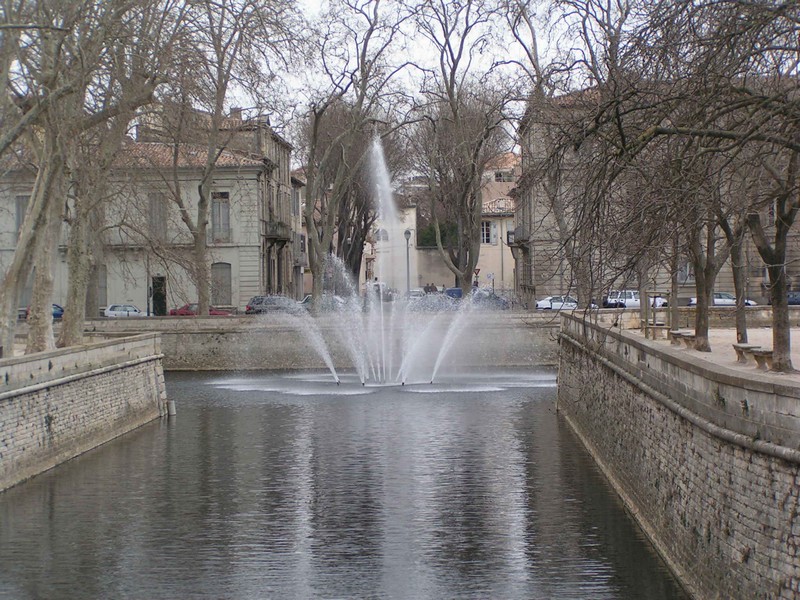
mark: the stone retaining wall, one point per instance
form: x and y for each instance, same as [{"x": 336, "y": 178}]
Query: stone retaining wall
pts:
[
  {"x": 281, "y": 342},
  {"x": 707, "y": 461},
  {"x": 57, "y": 405}
]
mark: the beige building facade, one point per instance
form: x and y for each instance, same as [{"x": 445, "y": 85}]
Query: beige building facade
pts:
[
  {"x": 541, "y": 264},
  {"x": 143, "y": 250}
]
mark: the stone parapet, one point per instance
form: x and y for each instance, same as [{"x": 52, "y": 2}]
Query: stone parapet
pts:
[
  {"x": 280, "y": 341},
  {"x": 57, "y": 405},
  {"x": 706, "y": 459}
]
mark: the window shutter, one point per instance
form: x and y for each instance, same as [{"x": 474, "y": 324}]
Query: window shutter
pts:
[{"x": 494, "y": 233}]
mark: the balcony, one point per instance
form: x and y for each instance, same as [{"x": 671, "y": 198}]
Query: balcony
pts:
[
  {"x": 518, "y": 237},
  {"x": 217, "y": 235},
  {"x": 277, "y": 231}
]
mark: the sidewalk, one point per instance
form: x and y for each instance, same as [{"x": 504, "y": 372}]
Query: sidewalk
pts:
[{"x": 722, "y": 353}]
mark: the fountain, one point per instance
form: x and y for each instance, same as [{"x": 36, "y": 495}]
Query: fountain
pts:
[{"x": 387, "y": 339}]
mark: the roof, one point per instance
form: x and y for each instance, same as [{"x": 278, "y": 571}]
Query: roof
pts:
[
  {"x": 160, "y": 156},
  {"x": 506, "y": 160}
]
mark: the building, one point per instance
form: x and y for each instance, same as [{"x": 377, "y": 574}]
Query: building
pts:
[
  {"x": 495, "y": 267},
  {"x": 143, "y": 250},
  {"x": 539, "y": 245}
]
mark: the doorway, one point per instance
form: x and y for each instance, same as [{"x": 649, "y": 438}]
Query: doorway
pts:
[{"x": 160, "y": 296}]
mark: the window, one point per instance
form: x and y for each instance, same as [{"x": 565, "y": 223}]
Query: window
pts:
[
  {"x": 220, "y": 217},
  {"x": 489, "y": 232},
  {"x": 381, "y": 235},
  {"x": 685, "y": 272},
  {"x": 21, "y": 206},
  {"x": 157, "y": 217},
  {"x": 302, "y": 243},
  {"x": 486, "y": 232},
  {"x": 221, "y": 284},
  {"x": 504, "y": 176}
]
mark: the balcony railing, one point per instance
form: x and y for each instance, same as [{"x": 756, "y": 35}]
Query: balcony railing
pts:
[
  {"x": 218, "y": 236},
  {"x": 277, "y": 230}
]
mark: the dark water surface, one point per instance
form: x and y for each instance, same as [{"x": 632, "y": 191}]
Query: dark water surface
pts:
[{"x": 269, "y": 486}]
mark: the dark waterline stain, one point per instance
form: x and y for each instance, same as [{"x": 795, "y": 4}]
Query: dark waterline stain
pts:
[{"x": 288, "y": 486}]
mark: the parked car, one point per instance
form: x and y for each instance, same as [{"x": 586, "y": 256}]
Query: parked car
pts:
[
  {"x": 557, "y": 303},
  {"x": 432, "y": 303},
  {"x": 454, "y": 292},
  {"x": 58, "y": 312},
  {"x": 629, "y": 299},
  {"x": 265, "y": 304},
  {"x": 329, "y": 302},
  {"x": 723, "y": 299},
  {"x": 487, "y": 299},
  {"x": 123, "y": 310},
  {"x": 189, "y": 310}
]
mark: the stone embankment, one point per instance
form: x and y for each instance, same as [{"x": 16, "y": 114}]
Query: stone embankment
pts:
[
  {"x": 705, "y": 457},
  {"x": 57, "y": 405},
  {"x": 283, "y": 342}
]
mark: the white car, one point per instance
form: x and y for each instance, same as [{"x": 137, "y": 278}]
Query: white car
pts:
[
  {"x": 557, "y": 303},
  {"x": 123, "y": 310},
  {"x": 723, "y": 299},
  {"x": 630, "y": 299}
]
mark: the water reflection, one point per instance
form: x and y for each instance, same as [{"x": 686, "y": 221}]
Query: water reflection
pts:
[{"x": 282, "y": 487}]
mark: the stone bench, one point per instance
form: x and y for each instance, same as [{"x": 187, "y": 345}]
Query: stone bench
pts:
[
  {"x": 744, "y": 352},
  {"x": 687, "y": 337},
  {"x": 763, "y": 358},
  {"x": 656, "y": 331},
  {"x": 675, "y": 337}
]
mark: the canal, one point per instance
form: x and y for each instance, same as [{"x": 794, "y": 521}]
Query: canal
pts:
[{"x": 288, "y": 486}]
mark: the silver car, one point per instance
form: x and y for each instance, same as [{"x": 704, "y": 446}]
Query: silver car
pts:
[
  {"x": 557, "y": 303},
  {"x": 723, "y": 299},
  {"x": 123, "y": 310}
]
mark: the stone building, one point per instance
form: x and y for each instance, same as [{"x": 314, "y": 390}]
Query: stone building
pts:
[
  {"x": 538, "y": 246},
  {"x": 142, "y": 253},
  {"x": 496, "y": 263}
]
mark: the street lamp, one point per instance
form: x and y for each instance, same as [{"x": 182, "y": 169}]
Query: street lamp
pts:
[{"x": 407, "y": 235}]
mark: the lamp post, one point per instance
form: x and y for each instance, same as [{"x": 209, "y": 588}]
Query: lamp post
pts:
[{"x": 407, "y": 235}]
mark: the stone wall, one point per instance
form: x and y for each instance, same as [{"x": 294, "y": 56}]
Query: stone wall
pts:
[
  {"x": 705, "y": 460},
  {"x": 280, "y": 342},
  {"x": 57, "y": 405}
]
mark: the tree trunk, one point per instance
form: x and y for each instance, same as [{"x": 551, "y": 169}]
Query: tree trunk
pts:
[
  {"x": 202, "y": 268},
  {"x": 775, "y": 257},
  {"x": 704, "y": 290},
  {"x": 781, "y": 338},
  {"x": 674, "y": 313},
  {"x": 738, "y": 268},
  {"x": 78, "y": 264},
  {"x": 40, "y": 318},
  {"x": 33, "y": 227}
]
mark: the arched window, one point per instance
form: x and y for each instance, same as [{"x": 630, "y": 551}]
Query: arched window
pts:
[
  {"x": 221, "y": 284},
  {"x": 381, "y": 235}
]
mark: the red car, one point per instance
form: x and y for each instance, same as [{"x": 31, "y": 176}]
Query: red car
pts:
[{"x": 190, "y": 310}]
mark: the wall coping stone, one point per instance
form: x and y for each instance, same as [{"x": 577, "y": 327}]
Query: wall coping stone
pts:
[{"x": 745, "y": 410}]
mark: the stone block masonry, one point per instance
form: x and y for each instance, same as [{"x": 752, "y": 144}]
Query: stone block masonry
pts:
[
  {"x": 707, "y": 461},
  {"x": 57, "y": 405},
  {"x": 280, "y": 342}
]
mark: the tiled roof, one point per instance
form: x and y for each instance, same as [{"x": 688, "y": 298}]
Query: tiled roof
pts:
[
  {"x": 506, "y": 160},
  {"x": 149, "y": 155}
]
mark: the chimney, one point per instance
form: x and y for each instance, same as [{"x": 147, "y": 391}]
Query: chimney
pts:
[{"x": 236, "y": 113}]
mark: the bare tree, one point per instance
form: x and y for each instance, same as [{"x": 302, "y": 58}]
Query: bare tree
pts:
[
  {"x": 233, "y": 47},
  {"x": 463, "y": 124},
  {"x": 69, "y": 49},
  {"x": 354, "y": 51}
]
